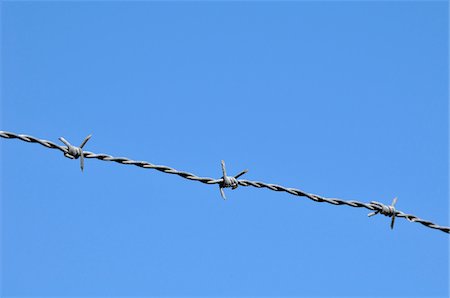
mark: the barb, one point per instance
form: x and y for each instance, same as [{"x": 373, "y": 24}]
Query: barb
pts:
[
  {"x": 386, "y": 210},
  {"x": 228, "y": 181},
  {"x": 75, "y": 152},
  {"x": 233, "y": 182}
]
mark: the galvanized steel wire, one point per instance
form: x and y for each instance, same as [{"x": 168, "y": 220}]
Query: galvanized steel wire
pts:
[{"x": 225, "y": 181}]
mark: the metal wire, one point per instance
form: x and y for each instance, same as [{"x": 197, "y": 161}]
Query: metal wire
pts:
[{"x": 226, "y": 181}]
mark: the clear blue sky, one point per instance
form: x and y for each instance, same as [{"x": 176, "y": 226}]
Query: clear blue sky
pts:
[{"x": 342, "y": 99}]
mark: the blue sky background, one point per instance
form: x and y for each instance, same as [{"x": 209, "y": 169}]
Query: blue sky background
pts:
[{"x": 342, "y": 99}]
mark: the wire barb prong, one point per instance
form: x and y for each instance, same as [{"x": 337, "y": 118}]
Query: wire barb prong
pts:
[
  {"x": 75, "y": 152},
  {"x": 229, "y": 181},
  {"x": 385, "y": 210}
]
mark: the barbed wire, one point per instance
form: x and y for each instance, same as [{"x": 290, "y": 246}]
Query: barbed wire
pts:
[{"x": 225, "y": 181}]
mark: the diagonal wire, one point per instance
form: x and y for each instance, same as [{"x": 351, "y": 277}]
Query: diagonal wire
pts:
[{"x": 374, "y": 206}]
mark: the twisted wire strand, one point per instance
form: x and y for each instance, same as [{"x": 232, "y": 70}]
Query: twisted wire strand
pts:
[{"x": 374, "y": 206}]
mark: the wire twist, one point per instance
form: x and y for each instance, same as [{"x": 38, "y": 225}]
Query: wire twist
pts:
[{"x": 227, "y": 181}]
